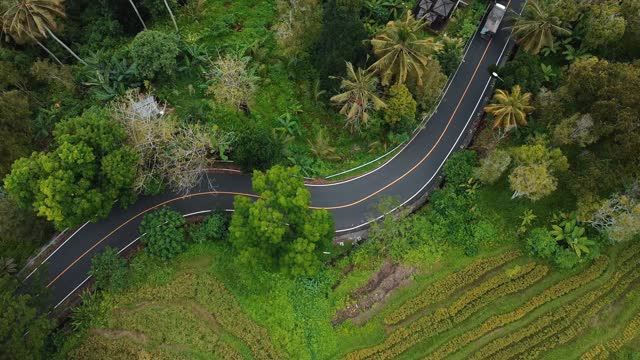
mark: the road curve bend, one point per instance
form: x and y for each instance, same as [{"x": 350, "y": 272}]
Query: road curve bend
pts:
[{"x": 352, "y": 202}]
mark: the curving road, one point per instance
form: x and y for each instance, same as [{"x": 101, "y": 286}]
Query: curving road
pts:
[{"x": 352, "y": 202}]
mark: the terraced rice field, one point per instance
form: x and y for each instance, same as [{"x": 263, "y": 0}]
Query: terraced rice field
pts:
[{"x": 508, "y": 307}]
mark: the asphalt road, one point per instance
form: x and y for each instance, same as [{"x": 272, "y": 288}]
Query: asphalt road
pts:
[{"x": 352, "y": 202}]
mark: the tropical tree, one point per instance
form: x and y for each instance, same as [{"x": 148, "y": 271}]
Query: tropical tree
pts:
[
  {"x": 24, "y": 328},
  {"x": 29, "y": 20},
  {"x": 175, "y": 24},
  {"x": 401, "y": 52},
  {"x": 570, "y": 232},
  {"x": 164, "y": 233},
  {"x": 510, "y": 109},
  {"x": 538, "y": 26},
  {"x": 359, "y": 96},
  {"x": 135, "y": 8},
  {"x": 279, "y": 231}
]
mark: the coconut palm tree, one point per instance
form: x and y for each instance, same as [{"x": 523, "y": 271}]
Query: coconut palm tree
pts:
[
  {"x": 400, "y": 51},
  {"x": 28, "y": 20},
  {"x": 537, "y": 27},
  {"x": 175, "y": 24},
  {"x": 359, "y": 96},
  {"x": 135, "y": 8},
  {"x": 510, "y": 109}
]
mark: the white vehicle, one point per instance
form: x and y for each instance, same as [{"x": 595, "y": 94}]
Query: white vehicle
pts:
[{"x": 493, "y": 21}]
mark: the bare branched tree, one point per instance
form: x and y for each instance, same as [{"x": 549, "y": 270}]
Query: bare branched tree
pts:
[{"x": 177, "y": 154}]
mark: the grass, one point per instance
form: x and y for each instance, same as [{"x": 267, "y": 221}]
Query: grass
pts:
[{"x": 164, "y": 305}]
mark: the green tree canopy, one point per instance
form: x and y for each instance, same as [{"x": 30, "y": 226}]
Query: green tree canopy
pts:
[
  {"x": 82, "y": 177},
  {"x": 23, "y": 328},
  {"x": 402, "y": 53},
  {"x": 164, "y": 233},
  {"x": 278, "y": 231},
  {"x": 155, "y": 54},
  {"x": 109, "y": 270},
  {"x": 538, "y": 26},
  {"x": 401, "y": 107},
  {"x": 603, "y": 24},
  {"x": 359, "y": 97}
]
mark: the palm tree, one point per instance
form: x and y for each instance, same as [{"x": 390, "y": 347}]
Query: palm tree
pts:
[
  {"x": 135, "y": 8},
  {"x": 510, "y": 109},
  {"x": 401, "y": 52},
  {"x": 28, "y": 20},
  {"x": 359, "y": 96},
  {"x": 175, "y": 24},
  {"x": 537, "y": 27}
]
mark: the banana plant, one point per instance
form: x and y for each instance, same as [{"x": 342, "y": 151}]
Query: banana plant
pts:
[
  {"x": 573, "y": 234},
  {"x": 289, "y": 123},
  {"x": 548, "y": 72}
]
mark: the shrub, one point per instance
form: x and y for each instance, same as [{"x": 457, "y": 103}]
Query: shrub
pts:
[
  {"x": 433, "y": 81},
  {"x": 493, "y": 166},
  {"x": 542, "y": 244},
  {"x": 164, "y": 234},
  {"x": 109, "y": 270},
  {"x": 155, "y": 53},
  {"x": 213, "y": 227},
  {"x": 157, "y": 8},
  {"x": 233, "y": 80},
  {"x": 459, "y": 168},
  {"x": 450, "y": 56},
  {"x": 401, "y": 107},
  {"x": 523, "y": 70},
  {"x": 256, "y": 149}
]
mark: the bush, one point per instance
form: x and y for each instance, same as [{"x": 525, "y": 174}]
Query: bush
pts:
[
  {"x": 542, "y": 244},
  {"x": 164, "y": 234},
  {"x": 155, "y": 54},
  {"x": 257, "y": 149},
  {"x": 523, "y": 70},
  {"x": 109, "y": 270},
  {"x": 450, "y": 56},
  {"x": 341, "y": 39},
  {"x": 493, "y": 166},
  {"x": 459, "y": 168},
  {"x": 213, "y": 227},
  {"x": 401, "y": 107},
  {"x": 157, "y": 8},
  {"x": 433, "y": 81}
]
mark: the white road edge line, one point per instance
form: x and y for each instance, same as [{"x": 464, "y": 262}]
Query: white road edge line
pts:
[
  {"x": 72, "y": 291},
  {"x": 55, "y": 251},
  {"x": 434, "y": 175},
  {"x": 446, "y": 90},
  {"x": 337, "y": 231},
  {"x": 125, "y": 248},
  {"x": 447, "y": 157}
]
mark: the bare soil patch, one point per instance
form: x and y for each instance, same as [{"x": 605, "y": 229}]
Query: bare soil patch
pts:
[{"x": 368, "y": 297}]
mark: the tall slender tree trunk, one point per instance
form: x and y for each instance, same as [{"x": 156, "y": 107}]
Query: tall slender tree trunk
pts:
[
  {"x": 65, "y": 46},
  {"x": 138, "y": 13},
  {"x": 48, "y": 51},
  {"x": 166, "y": 3}
]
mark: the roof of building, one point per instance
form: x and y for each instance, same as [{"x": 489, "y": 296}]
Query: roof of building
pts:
[{"x": 435, "y": 13}]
